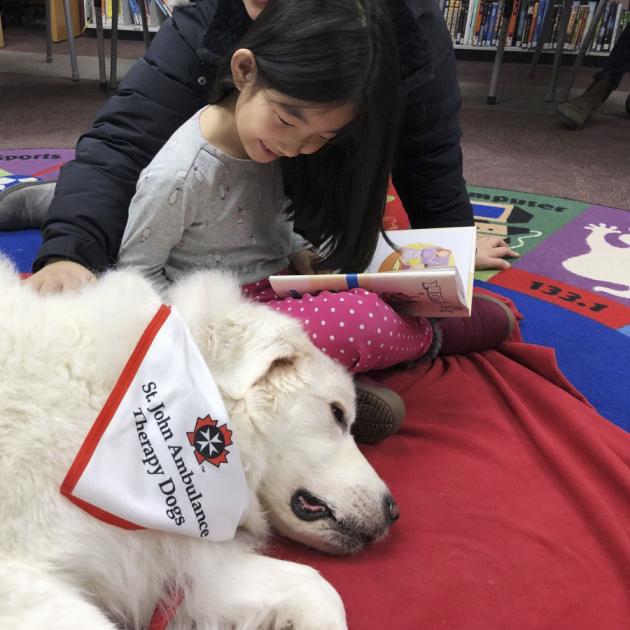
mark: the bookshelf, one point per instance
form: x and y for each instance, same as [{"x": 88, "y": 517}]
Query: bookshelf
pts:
[
  {"x": 475, "y": 25},
  {"x": 518, "y": 49},
  {"x": 126, "y": 21}
]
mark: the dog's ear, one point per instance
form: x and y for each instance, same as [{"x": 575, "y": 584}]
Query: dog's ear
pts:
[
  {"x": 243, "y": 342},
  {"x": 278, "y": 354}
]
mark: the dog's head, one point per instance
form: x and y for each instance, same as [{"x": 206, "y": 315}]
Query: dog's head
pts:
[{"x": 293, "y": 408}]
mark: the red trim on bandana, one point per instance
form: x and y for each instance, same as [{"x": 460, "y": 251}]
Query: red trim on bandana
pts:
[
  {"x": 100, "y": 514},
  {"x": 104, "y": 418}
]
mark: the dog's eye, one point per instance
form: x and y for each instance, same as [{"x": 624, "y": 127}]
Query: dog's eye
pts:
[{"x": 338, "y": 414}]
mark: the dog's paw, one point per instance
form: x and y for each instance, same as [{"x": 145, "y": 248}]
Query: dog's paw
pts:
[{"x": 316, "y": 605}]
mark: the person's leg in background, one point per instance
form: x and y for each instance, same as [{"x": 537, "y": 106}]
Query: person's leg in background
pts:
[
  {"x": 575, "y": 113},
  {"x": 24, "y": 206}
]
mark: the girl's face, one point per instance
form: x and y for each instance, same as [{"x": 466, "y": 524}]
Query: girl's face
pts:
[
  {"x": 271, "y": 125},
  {"x": 254, "y": 7}
]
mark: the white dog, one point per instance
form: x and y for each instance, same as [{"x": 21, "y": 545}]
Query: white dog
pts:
[{"x": 292, "y": 409}]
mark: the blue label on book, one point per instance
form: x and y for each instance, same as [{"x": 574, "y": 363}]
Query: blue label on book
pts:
[{"x": 353, "y": 280}]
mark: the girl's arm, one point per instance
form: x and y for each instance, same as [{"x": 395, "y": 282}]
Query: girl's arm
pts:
[
  {"x": 303, "y": 255},
  {"x": 156, "y": 224}
]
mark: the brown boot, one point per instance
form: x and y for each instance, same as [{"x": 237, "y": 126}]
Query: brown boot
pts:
[
  {"x": 380, "y": 412},
  {"x": 574, "y": 114}
]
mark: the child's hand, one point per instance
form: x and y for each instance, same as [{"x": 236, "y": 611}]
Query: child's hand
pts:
[
  {"x": 303, "y": 260},
  {"x": 61, "y": 275},
  {"x": 491, "y": 253}
]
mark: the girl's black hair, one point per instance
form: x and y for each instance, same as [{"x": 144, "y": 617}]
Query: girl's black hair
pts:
[{"x": 333, "y": 52}]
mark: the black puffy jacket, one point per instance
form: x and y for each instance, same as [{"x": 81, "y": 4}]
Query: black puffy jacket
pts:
[{"x": 87, "y": 217}]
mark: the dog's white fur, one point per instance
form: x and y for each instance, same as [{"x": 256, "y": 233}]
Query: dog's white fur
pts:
[{"x": 61, "y": 568}]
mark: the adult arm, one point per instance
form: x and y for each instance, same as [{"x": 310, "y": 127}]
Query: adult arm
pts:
[
  {"x": 492, "y": 253},
  {"x": 427, "y": 171},
  {"x": 87, "y": 217}
]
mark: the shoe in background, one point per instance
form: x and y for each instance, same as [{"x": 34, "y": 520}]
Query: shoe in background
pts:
[
  {"x": 380, "y": 412},
  {"x": 24, "y": 206},
  {"x": 575, "y": 113}
]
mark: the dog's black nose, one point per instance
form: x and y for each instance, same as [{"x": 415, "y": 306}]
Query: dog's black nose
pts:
[{"x": 391, "y": 509}]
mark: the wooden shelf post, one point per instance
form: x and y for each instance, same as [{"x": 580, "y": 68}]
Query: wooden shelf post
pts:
[{"x": 59, "y": 33}]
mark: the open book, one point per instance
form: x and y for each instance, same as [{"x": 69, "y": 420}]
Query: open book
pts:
[{"x": 430, "y": 274}]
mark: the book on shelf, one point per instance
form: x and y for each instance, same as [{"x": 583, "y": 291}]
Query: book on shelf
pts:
[
  {"x": 134, "y": 9},
  {"x": 571, "y": 24},
  {"x": 496, "y": 28},
  {"x": 540, "y": 14},
  {"x": 429, "y": 273},
  {"x": 531, "y": 26},
  {"x": 108, "y": 9},
  {"x": 479, "y": 22},
  {"x": 553, "y": 40},
  {"x": 603, "y": 24},
  {"x": 581, "y": 26},
  {"x": 472, "y": 12},
  {"x": 590, "y": 11},
  {"x": 512, "y": 23},
  {"x": 461, "y": 22},
  {"x": 164, "y": 7},
  {"x": 615, "y": 28},
  {"x": 489, "y": 25},
  {"x": 610, "y": 27}
]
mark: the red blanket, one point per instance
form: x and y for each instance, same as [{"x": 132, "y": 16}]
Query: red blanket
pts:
[{"x": 515, "y": 501}]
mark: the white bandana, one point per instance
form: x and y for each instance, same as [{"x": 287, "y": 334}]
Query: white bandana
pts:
[{"x": 161, "y": 453}]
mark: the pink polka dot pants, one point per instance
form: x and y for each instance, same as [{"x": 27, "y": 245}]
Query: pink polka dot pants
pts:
[{"x": 355, "y": 327}]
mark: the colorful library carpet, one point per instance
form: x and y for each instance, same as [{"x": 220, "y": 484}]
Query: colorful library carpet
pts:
[
  {"x": 571, "y": 282},
  {"x": 20, "y": 165}
]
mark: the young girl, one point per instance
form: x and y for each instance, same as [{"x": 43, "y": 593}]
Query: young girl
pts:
[{"x": 310, "y": 98}]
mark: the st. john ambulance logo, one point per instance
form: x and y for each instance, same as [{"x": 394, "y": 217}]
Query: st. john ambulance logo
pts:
[{"x": 210, "y": 441}]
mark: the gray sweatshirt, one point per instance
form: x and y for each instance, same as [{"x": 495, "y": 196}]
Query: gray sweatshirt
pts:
[{"x": 196, "y": 207}]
